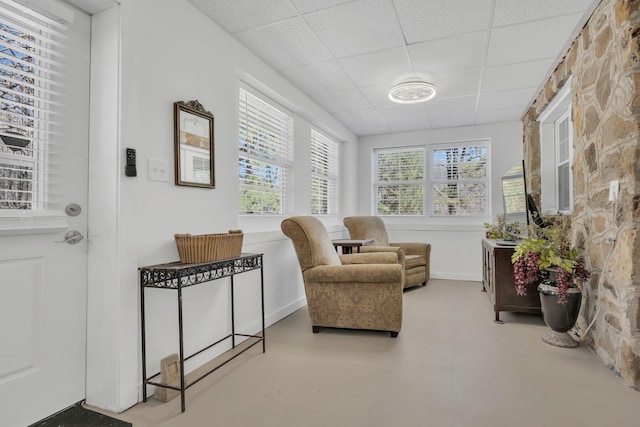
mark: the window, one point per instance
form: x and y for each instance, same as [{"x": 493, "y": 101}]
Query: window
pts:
[
  {"x": 266, "y": 156},
  {"x": 556, "y": 154},
  {"x": 27, "y": 53},
  {"x": 324, "y": 174},
  {"x": 459, "y": 180},
  {"x": 399, "y": 181},
  {"x": 563, "y": 165}
]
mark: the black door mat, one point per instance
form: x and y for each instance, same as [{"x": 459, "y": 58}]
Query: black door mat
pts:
[{"x": 78, "y": 416}]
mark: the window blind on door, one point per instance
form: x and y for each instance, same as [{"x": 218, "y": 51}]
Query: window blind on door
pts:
[
  {"x": 266, "y": 156},
  {"x": 30, "y": 64}
]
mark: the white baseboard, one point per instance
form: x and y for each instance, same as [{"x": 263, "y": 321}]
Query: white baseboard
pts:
[{"x": 456, "y": 276}]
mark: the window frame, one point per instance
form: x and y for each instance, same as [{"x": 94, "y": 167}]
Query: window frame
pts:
[
  {"x": 486, "y": 143},
  {"x": 330, "y": 175},
  {"x": 558, "y": 108},
  {"x": 427, "y": 177},
  {"x": 283, "y": 163},
  {"x": 565, "y": 163},
  {"x": 376, "y": 183}
]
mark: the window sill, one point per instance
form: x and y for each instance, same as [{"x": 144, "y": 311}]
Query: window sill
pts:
[{"x": 16, "y": 223}]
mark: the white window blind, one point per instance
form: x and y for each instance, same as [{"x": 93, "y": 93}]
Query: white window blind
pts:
[
  {"x": 399, "y": 181},
  {"x": 324, "y": 174},
  {"x": 29, "y": 85},
  {"x": 266, "y": 156},
  {"x": 459, "y": 180}
]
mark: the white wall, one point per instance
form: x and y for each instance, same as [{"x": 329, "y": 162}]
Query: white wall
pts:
[
  {"x": 455, "y": 242},
  {"x": 147, "y": 54}
]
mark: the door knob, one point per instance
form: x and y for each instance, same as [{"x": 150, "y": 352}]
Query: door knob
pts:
[{"x": 71, "y": 237}]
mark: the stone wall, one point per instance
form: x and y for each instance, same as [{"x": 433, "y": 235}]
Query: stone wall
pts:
[{"x": 604, "y": 61}]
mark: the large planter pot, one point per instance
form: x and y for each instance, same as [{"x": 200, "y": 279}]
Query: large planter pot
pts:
[{"x": 558, "y": 317}]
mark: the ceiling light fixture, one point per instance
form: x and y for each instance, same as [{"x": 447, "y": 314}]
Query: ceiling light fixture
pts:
[{"x": 412, "y": 91}]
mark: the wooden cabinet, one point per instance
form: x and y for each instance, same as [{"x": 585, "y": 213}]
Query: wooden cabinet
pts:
[{"x": 498, "y": 282}]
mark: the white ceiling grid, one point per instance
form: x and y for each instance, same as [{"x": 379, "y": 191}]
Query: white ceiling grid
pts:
[{"x": 487, "y": 58}]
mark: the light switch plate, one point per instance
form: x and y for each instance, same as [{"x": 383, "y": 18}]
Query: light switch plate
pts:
[{"x": 157, "y": 170}]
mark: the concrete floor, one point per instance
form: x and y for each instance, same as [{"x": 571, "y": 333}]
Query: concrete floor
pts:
[{"x": 451, "y": 366}]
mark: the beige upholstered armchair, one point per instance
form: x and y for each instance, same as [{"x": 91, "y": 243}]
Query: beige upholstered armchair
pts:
[
  {"x": 414, "y": 257},
  {"x": 355, "y": 291}
]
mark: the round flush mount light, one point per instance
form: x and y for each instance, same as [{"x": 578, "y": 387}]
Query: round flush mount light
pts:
[{"x": 412, "y": 91}]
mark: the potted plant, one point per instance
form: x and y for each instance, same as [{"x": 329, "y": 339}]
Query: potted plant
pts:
[
  {"x": 502, "y": 229},
  {"x": 546, "y": 261}
]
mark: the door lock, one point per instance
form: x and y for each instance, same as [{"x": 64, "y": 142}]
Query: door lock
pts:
[
  {"x": 73, "y": 209},
  {"x": 71, "y": 237}
]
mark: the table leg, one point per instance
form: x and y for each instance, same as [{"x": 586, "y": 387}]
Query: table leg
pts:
[
  {"x": 233, "y": 318},
  {"x": 143, "y": 338},
  {"x": 182, "y": 384},
  {"x": 264, "y": 337}
]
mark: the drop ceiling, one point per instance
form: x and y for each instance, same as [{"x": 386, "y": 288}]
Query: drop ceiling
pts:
[{"x": 487, "y": 58}]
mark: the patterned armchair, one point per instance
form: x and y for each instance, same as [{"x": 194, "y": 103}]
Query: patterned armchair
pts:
[
  {"x": 355, "y": 291},
  {"x": 414, "y": 257}
]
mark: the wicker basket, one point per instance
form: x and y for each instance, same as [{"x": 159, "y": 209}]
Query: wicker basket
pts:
[{"x": 208, "y": 247}]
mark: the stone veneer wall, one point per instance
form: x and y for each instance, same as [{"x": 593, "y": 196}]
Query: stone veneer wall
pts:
[{"x": 604, "y": 61}]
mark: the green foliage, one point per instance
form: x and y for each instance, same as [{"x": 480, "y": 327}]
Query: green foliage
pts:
[
  {"x": 502, "y": 230},
  {"x": 551, "y": 246}
]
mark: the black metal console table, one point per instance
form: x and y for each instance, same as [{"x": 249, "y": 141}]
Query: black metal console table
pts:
[{"x": 178, "y": 276}]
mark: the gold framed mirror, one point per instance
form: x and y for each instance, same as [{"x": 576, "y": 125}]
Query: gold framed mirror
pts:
[{"x": 194, "y": 145}]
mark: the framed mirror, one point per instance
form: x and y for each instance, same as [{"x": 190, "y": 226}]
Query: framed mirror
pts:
[{"x": 194, "y": 149}]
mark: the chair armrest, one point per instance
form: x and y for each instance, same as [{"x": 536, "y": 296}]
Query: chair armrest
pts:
[
  {"x": 370, "y": 258},
  {"x": 413, "y": 248},
  {"x": 355, "y": 273},
  {"x": 396, "y": 249}
]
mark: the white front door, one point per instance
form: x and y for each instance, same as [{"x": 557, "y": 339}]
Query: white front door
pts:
[{"x": 43, "y": 284}]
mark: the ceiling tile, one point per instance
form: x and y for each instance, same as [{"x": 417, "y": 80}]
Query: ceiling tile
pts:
[
  {"x": 359, "y": 117},
  {"x": 506, "y": 99},
  {"x": 452, "y": 112},
  {"x": 500, "y": 116},
  {"x": 304, "y": 79},
  {"x": 529, "y": 41},
  {"x": 386, "y": 67},
  {"x": 377, "y": 95},
  {"x": 357, "y": 27},
  {"x": 402, "y": 118},
  {"x": 457, "y": 84},
  {"x": 239, "y": 15},
  {"x": 428, "y": 20},
  {"x": 286, "y": 44},
  {"x": 509, "y": 12},
  {"x": 344, "y": 100},
  {"x": 371, "y": 129},
  {"x": 306, "y": 6},
  {"x": 450, "y": 55},
  {"x": 514, "y": 76},
  {"x": 322, "y": 77},
  {"x": 332, "y": 75}
]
